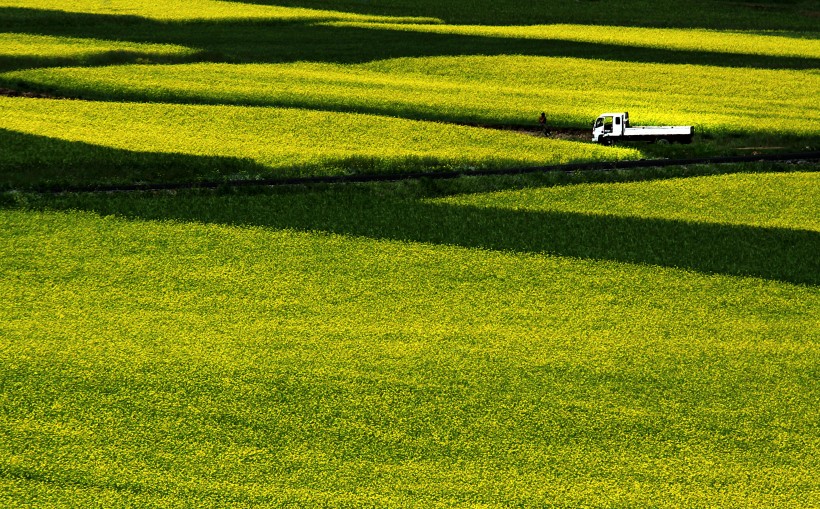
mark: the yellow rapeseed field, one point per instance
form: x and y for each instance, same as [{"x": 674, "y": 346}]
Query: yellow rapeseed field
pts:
[
  {"x": 695, "y": 40},
  {"x": 598, "y": 339},
  {"x": 169, "y": 10},
  {"x": 494, "y": 89},
  {"x": 289, "y": 141},
  {"x": 44, "y": 46}
]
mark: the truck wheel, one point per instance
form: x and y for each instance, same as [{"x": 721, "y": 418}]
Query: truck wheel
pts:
[
  {"x": 662, "y": 141},
  {"x": 605, "y": 141}
]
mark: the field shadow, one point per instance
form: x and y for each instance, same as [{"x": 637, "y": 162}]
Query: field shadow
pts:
[
  {"x": 265, "y": 41},
  {"x": 41, "y": 162},
  {"x": 394, "y": 211},
  {"x": 726, "y": 14},
  {"x": 381, "y": 213}
]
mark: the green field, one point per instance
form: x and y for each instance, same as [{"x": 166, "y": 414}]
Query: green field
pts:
[
  {"x": 625, "y": 339},
  {"x": 497, "y": 89},
  {"x": 391, "y": 347}
]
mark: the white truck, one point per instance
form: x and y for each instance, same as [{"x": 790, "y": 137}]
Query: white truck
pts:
[{"x": 613, "y": 127}]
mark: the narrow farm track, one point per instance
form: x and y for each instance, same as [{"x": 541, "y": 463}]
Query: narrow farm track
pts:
[
  {"x": 9, "y": 92},
  {"x": 793, "y": 158}
]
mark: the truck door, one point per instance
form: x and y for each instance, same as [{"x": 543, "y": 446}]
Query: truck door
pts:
[
  {"x": 618, "y": 126},
  {"x": 597, "y": 128}
]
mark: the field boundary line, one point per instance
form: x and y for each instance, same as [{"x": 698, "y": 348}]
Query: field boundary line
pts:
[{"x": 793, "y": 158}]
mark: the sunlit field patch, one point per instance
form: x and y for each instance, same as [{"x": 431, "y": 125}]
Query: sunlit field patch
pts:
[
  {"x": 790, "y": 200},
  {"x": 28, "y": 45},
  {"x": 196, "y": 10},
  {"x": 665, "y": 38}
]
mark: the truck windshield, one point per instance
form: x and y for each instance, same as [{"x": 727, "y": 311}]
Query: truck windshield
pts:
[{"x": 599, "y": 122}]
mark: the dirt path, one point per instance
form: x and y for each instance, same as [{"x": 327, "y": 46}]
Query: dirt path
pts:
[
  {"x": 808, "y": 161},
  {"x": 8, "y": 92},
  {"x": 558, "y": 133}
]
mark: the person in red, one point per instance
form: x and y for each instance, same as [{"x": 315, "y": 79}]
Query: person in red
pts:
[{"x": 542, "y": 121}]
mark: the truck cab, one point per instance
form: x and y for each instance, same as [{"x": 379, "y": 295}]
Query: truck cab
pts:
[{"x": 609, "y": 125}]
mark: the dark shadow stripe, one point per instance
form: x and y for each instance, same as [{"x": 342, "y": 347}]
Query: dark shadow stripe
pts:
[
  {"x": 709, "y": 14},
  {"x": 265, "y": 41},
  {"x": 782, "y": 254},
  {"x": 394, "y": 177}
]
